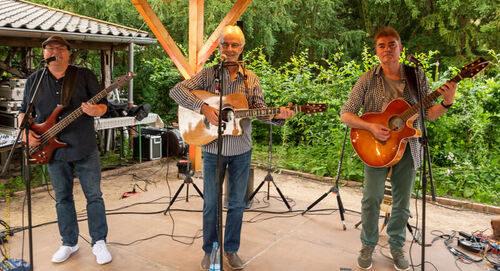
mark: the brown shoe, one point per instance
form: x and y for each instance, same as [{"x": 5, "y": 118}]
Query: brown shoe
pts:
[
  {"x": 205, "y": 262},
  {"x": 234, "y": 260}
]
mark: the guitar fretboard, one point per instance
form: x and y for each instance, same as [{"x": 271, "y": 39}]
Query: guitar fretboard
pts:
[
  {"x": 259, "y": 112},
  {"x": 410, "y": 112}
]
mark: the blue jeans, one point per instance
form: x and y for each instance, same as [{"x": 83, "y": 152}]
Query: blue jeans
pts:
[
  {"x": 402, "y": 179},
  {"x": 238, "y": 167},
  {"x": 88, "y": 170}
]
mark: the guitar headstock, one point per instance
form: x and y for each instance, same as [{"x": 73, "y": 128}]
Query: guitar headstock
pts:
[
  {"x": 309, "y": 108},
  {"x": 122, "y": 80},
  {"x": 471, "y": 69}
]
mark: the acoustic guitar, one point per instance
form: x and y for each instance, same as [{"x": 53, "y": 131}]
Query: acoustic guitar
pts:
[
  {"x": 399, "y": 117},
  {"x": 47, "y": 131},
  {"x": 196, "y": 130}
]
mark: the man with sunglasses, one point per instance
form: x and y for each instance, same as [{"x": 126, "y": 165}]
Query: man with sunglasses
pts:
[
  {"x": 80, "y": 154},
  {"x": 236, "y": 150}
]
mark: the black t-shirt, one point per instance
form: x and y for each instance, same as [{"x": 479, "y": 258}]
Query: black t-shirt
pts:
[{"x": 79, "y": 134}]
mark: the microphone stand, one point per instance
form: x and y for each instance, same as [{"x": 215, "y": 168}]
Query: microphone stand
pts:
[
  {"x": 219, "y": 82},
  {"x": 25, "y": 125},
  {"x": 426, "y": 159}
]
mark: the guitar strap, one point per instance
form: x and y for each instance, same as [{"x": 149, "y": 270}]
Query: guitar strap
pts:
[
  {"x": 412, "y": 81},
  {"x": 250, "y": 101},
  {"x": 68, "y": 86}
]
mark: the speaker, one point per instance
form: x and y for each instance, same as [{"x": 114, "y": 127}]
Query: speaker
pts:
[
  {"x": 172, "y": 142},
  {"x": 151, "y": 147}
]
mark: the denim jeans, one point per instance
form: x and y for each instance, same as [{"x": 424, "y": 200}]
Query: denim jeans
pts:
[
  {"x": 238, "y": 167},
  {"x": 402, "y": 179},
  {"x": 88, "y": 170}
]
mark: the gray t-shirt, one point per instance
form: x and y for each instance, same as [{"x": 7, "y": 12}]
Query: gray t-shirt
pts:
[{"x": 394, "y": 89}]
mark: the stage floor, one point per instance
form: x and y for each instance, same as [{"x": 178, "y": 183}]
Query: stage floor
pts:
[{"x": 272, "y": 237}]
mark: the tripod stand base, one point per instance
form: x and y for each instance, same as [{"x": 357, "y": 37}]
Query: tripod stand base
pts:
[{"x": 187, "y": 182}]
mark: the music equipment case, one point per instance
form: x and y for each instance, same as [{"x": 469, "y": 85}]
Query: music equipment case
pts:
[{"x": 151, "y": 147}]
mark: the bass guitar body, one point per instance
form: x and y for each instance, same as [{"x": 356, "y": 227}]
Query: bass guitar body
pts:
[{"x": 42, "y": 153}]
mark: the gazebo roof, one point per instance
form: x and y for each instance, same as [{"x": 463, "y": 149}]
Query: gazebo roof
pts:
[{"x": 28, "y": 24}]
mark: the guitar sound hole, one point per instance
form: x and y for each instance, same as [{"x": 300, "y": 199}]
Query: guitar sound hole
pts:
[
  {"x": 227, "y": 115},
  {"x": 396, "y": 123}
]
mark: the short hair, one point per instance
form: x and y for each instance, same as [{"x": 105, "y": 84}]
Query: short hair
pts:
[
  {"x": 231, "y": 29},
  {"x": 387, "y": 31}
]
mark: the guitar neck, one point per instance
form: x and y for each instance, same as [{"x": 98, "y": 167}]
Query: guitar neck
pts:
[
  {"x": 260, "y": 112},
  {"x": 410, "y": 112},
  {"x": 54, "y": 130}
]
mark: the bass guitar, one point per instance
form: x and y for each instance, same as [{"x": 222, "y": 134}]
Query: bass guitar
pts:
[
  {"x": 47, "y": 131},
  {"x": 399, "y": 117},
  {"x": 196, "y": 130}
]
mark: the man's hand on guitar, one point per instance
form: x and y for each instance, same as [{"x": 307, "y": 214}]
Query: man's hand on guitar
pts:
[
  {"x": 210, "y": 113},
  {"x": 448, "y": 92},
  {"x": 34, "y": 139},
  {"x": 380, "y": 132},
  {"x": 285, "y": 113}
]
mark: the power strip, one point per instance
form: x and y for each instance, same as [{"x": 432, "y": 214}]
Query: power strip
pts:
[{"x": 14, "y": 265}]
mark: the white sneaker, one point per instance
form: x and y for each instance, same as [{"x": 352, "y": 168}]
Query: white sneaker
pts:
[
  {"x": 101, "y": 252},
  {"x": 63, "y": 253}
]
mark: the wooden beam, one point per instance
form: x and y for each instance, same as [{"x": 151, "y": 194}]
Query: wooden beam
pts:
[
  {"x": 163, "y": 37},
  {"x": 232, "y": 16},
  {"x": 196, "y": 11}
]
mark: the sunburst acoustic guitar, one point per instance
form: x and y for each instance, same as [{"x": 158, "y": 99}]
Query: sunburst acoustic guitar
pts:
[{"x": 399, "y": 117}]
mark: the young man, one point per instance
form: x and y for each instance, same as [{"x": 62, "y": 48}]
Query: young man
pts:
[
  {"x": 374, "y": 91},
  {"x": 236, "y": 150},
  {"x": 79, "y": 155}
]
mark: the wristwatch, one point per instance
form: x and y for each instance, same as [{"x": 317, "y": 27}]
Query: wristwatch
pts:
[{"x": 446, "y": 106}]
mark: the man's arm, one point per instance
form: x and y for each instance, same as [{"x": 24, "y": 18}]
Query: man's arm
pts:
[
  {"x": 448, "y": 93},
  {"x": 34, "y": 139},
  {"x": 379, "y": 131}
]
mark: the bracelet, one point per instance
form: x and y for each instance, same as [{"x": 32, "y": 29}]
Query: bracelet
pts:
[{"x": 446, "y": 106}]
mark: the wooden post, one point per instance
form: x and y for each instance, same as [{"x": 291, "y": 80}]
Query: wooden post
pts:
[{"x": 198, "y": 52}]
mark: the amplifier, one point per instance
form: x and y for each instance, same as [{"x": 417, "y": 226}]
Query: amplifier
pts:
[
  {"x": 172, "y": 142},
  {"x": 151, "y": 147},
  {"x": 17, "y": 83},
  {"x": 9, "y": 120},
  {"x": 8, "y": 93},
  {"x": 10, "y": 106}
]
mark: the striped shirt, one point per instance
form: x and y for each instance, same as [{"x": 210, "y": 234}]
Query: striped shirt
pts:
[
  {"x": 369, "y": 92},
  {"x": 205, "y": 80}
]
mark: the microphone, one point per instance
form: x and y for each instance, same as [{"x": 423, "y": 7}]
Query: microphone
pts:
[
  {"x": 413, "y": 60},
  {"x": 50, "y": 59}
]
